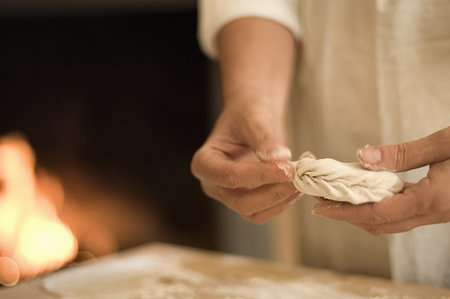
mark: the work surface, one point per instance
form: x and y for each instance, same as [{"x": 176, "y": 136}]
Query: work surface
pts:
[{"x": 166, "y": 271}]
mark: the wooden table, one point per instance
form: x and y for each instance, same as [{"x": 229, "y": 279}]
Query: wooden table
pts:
[{"x": 167, "y": 271}]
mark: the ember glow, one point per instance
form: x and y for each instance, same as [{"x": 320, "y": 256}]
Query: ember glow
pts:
[{"x": 31, "y": 234}]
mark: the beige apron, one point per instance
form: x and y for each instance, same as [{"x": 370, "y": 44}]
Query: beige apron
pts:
[{"x": 373, "y": 72}]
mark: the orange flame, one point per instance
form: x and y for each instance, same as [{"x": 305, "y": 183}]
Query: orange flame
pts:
[{"x": 31, "y": 234}]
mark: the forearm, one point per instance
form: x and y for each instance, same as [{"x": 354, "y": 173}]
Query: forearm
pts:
[
  {"x": 243, "y": 163},
  {"x": 256, "y": 58}
]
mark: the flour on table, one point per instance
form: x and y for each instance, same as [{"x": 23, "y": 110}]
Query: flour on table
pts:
[
  {"x": 340, "y": 181},
  {"x": 165, "y": 277}
]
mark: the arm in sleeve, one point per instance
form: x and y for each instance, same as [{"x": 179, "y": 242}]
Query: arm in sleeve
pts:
[{"x": 214, "y": 14}]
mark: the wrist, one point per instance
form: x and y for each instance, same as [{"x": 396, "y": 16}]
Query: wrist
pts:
[
  {"x": 251, "y": 103},
  {"x": 258, "y": 114}
]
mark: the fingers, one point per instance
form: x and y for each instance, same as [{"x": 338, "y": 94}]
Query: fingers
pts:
[
  {"x": 406, "y": 224},
  {"x": 374, "y": 224},
  {"x": 400, "y": 157},
  {"x": 395, "y": 208},
  {"x": 210, "y": 165},
  {"x": 249, "y": 202},
  {"x": 264, "y": 216},
  {"x": 9, "y": 272},
  {"x": 419, "y": 204}
]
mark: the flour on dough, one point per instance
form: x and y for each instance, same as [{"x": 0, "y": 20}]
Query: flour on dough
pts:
[{"x": 340, "y": 181}]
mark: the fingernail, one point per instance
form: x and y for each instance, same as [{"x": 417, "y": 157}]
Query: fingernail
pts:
[
  {"x": 316, "y": 210},
  {"x": 370, "y": 155},
  {"x": 307, "y": 154},
  {"x": 279, "y": 153}
]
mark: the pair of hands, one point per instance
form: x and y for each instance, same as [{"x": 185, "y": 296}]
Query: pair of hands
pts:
[
  {"x": 425, "y": 202},
  {"x": 244, "y": 164}
]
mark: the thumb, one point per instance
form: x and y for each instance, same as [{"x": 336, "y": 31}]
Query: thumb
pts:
[
  {"x": 405, "y": 156},
  {"x": 273, "y": 151},
  {"x": 263, "y": 139}
]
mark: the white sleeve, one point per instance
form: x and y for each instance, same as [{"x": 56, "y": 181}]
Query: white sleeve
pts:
[{"x": 214, "y": 14}]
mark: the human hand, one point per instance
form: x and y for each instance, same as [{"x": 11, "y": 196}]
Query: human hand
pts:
[
  {"x": 244, "y": 164},
  {"x": 423, "y": 203}
]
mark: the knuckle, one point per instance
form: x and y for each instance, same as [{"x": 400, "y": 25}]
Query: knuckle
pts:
[
  {"x": 195, "y": 163},
  {"x": 400, "y": 152},
  {"x": 200, "y": 162},
  {"x": 230, "y": 178}
]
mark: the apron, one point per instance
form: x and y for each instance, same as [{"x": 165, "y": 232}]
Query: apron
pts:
[{"x": 372, "y": 72}]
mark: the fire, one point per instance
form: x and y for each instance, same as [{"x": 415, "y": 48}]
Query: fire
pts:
[{"x": 31, "y": 234}]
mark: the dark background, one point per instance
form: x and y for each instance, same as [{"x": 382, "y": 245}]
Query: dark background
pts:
[{"x": 121, "y": 96}]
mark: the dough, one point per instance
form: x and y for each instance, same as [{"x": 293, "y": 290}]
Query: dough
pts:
[{"x": 340, "y": 181}]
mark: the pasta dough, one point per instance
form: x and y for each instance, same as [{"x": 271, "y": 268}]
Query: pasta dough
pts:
[{"x": 340, "y": 181}]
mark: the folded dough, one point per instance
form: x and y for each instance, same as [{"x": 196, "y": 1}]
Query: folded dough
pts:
[{"x": 340, "y": 181}]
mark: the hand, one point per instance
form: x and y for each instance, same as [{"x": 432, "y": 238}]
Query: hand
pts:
[
  {"x": 244, "y": 164},
  {"x": 423, "y": 203}
]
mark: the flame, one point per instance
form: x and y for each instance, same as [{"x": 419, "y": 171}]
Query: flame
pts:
[{"x": 31, "y": 234}]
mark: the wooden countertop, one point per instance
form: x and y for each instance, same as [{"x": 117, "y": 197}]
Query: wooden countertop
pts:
[{"x": 165, "y": 271}]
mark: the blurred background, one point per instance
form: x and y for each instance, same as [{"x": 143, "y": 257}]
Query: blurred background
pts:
[{"x": 113, "y": 98}]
